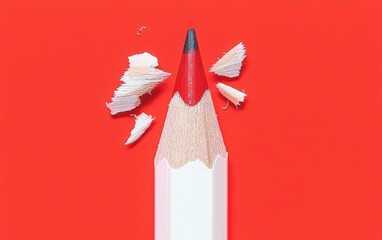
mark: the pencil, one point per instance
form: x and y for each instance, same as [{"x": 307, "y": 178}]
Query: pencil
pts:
[{"x": 191, "y": 159}]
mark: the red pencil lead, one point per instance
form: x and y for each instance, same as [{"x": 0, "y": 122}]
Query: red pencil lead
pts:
[{"x": 191, "y": 81}]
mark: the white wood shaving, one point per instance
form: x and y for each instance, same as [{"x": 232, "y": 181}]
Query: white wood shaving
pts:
[
  {"x": 142, "y": 123},
  {"x": 144, "y": 74},
  {"x": 232, "y": 94},
  {"x": 230, "y": 64},
  {"x": 143, "y": 60},
  {"x": 140, "y": 78},
  {"x": 123, "y": 104}
]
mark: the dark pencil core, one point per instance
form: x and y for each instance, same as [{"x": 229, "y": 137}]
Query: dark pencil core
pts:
[{"x": 191, "y": 41}]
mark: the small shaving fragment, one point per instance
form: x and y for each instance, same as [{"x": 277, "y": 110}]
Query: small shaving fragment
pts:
[
  {"x": 141, "y": 77},
  {"x": 142, "y": 123},
  {"x": 230, "y": 64},
  {"x": 123, "y": 103},
  {"x": 226, "y": 106},
  {"x": 140, "y": 30},
  {"x": 232, "y": 94}
]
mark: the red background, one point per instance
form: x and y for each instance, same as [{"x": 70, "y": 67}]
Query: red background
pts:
[{"x": 305, "y": 148}]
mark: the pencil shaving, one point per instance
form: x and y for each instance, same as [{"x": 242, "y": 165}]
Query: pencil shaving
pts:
[
  {"x": 144, "y": 75},
  {"x": 140, "y": 30},
  {"x": 140, "y": 78},
  {"x": 142, "y": 123},
  {"x": 123, "y": 104},
  {"x": 230, "y": 64},
  {"x": 143, "y": 60},
  {"x": 226, "y": 106},
  {"x": 233, "y": 95}
]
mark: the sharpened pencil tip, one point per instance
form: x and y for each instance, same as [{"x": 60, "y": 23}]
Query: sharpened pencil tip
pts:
[
  {"x": 191, "y": 41},
  {"x": 191, "y": 81}
]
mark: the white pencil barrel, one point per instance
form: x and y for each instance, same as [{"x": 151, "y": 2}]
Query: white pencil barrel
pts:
[{"x": 191, "y": 201}]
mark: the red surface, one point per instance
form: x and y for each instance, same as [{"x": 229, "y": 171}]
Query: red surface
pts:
[
  {"x": 191, "y": 82},
  {"x": 305, "y": 148}
]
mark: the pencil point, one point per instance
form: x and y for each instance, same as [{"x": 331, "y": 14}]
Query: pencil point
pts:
[
  {"x": 191, "y": 42},
  {"x": 191, "y": 81}
]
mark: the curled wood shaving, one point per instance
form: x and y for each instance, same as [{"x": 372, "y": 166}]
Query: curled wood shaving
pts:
[
  {"x": 142, "y": 123},
  {"x": 233, "y": 95},
  {"x": 140, "y": 30}
]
